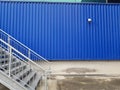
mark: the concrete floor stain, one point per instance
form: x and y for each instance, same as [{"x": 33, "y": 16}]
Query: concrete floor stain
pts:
[{"x": 82, "y": 83}]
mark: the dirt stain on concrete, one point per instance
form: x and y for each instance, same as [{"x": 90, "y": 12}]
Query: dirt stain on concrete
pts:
[
  {"x": 83, "y": 83},
  {"x": 79, "y": 70}
]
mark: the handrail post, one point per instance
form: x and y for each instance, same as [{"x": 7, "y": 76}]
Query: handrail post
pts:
[
  {"x": 0, "y": 38},
  {"x": 10, "y": 51},
  {"x": 29, "y": 56},
  {"x": 10, "y": 55},
  {"x": 46, "y": 85},
  {"x": 8, "y": 42}
]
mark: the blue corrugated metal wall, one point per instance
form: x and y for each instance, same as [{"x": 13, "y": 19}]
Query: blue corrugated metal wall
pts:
[{"x": 60, "y": 31}]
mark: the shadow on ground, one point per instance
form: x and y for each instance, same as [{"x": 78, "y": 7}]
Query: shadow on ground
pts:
[{"x": 2, "y": 87}]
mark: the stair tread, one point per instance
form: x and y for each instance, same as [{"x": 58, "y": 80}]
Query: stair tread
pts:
[
  {"x": 3, "y": 55},
  {"x": 11, "y": 63},
  {"x": 20, "y": 73},
  {"x": 30, "y": 75},
  {"x": 35, "y": 82},
  {"x": 22, "y": 65},
  {"x": 6, "y": 59},
  {"x": 3, "y": 59},
  {"x": 2, "y": 52},
  {"x": 6, "y": 64}
]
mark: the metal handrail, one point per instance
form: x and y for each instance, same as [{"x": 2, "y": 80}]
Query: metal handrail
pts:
[
  {"x": 9, "y": 46},
  {"x": 14, "y": 46},
  {"x": 22, "y": 54},
  {"x": 23, "y": 45}
]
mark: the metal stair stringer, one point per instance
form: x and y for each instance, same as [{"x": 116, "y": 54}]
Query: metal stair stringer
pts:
[
  {"x": 17, "y": 67},
  {"x": 10, "y": 83}
]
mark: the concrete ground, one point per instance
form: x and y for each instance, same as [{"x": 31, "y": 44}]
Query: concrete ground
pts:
[
  {"x": 84, "y": 75},
  {"x": 88, "y": 83},
  {"x": 85, "y": 67}
]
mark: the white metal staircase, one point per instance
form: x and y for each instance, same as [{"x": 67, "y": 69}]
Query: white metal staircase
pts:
[{"x": 18, "y": 71}]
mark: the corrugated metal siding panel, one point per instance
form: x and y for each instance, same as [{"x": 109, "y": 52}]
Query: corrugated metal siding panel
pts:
[
  {"x": 93, "y": 0},
  {"x": 60, "y": 31},
  {"x": 78, "y": 1}
]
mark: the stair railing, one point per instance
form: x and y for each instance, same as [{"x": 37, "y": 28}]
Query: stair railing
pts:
[
  {"x": 18, "y": 79},
  {"x": 14, "y": 47},
  {"x": 25, "y": 50},
  {"x": 12, "y": 53}
]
